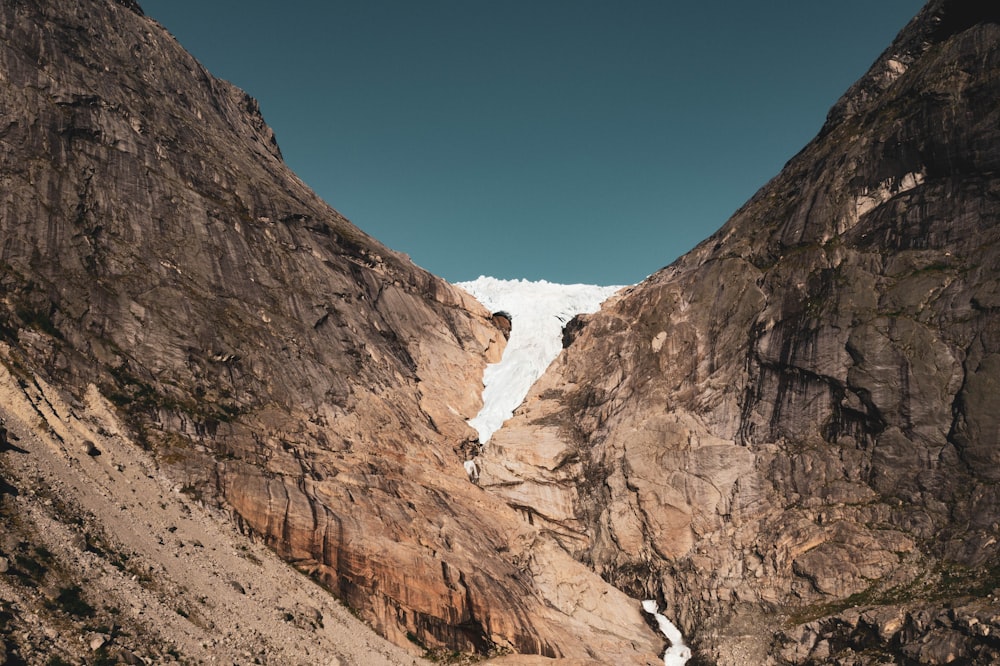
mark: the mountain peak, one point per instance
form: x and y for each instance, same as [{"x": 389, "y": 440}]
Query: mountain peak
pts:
[
  {"x": 132, "y": 5},
  {"x": 170, "y": 285}
]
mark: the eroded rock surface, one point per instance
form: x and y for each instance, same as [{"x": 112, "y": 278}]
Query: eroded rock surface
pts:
[
  {"x": 799, "y": 417},
  {"x": 153, "y": 244}
]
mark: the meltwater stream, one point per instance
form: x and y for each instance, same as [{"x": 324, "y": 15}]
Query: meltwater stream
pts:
[{"x": 677, "y": 653}]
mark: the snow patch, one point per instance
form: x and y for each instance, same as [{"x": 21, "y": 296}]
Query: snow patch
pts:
[
  {"x": 678, "y": 653},
  {"x": 538, "y": 313}
]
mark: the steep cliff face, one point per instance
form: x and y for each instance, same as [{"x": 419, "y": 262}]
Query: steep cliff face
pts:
[
  {"x": 154, "y": 246},
  {"x": 791, "y": 434}
]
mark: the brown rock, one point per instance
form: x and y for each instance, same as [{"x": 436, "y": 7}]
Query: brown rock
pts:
[
  {"x": 941, "y": 647},
  {"x": 127, "y": 657},
  {"x": 795, "y": 417}
]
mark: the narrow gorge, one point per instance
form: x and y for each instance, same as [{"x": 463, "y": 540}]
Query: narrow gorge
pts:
[{"x": 784, "y": 443}]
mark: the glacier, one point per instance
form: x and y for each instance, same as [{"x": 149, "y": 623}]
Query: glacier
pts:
[{"x": 538, "y": 311}]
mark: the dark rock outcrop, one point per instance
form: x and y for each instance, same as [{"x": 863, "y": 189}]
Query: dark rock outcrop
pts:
[
  {"x": 797, "y": 421},
  {"x": 503, "y": 322},
  {"x": 153, "y": 244}
]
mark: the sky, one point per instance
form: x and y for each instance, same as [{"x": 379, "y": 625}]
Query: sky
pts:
[{"x": 589, "y": 141}]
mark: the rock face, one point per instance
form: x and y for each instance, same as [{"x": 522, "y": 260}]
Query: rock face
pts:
[
  {"x": 788, "y": 438},
  {"x": 154, "y": 245},
  {"x": 797, "y": 421}
]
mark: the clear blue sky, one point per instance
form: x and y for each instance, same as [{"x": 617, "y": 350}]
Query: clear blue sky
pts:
[{"x": 570, "y": 140}]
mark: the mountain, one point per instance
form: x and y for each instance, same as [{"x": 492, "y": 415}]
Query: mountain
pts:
[
  {"x": 189, "y": 336},
  {"x": 786, "y": 441},
  {"x": 790, "y": 435}
]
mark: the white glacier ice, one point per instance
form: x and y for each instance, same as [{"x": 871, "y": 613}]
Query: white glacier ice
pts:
[{"x": 538, "y": 312}]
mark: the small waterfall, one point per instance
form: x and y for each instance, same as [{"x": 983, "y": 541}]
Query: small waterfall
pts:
[{"x": 678, "y": 653}]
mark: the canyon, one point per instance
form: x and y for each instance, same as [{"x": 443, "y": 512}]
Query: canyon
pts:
[{"x": 785, "y": 441}]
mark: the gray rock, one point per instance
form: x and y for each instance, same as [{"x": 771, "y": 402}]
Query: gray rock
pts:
[{"x": 96, "y": 641}]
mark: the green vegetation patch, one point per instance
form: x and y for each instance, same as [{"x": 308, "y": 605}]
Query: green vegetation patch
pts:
[{"x": 942, "y": 580}]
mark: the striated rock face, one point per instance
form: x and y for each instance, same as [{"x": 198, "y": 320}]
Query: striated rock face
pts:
[
  {"x": 789, "y": 438},
  {"x": 799, "y": 417},
  {"x": 154, "y": 244}
]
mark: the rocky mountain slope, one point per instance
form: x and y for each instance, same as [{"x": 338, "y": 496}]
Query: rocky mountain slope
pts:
[
  {"x": 186, "y": 301},
  {"x": 108, "y": 560},
  {"x": 791, "y": 435},
  {"x": 787, "y": 438}
]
